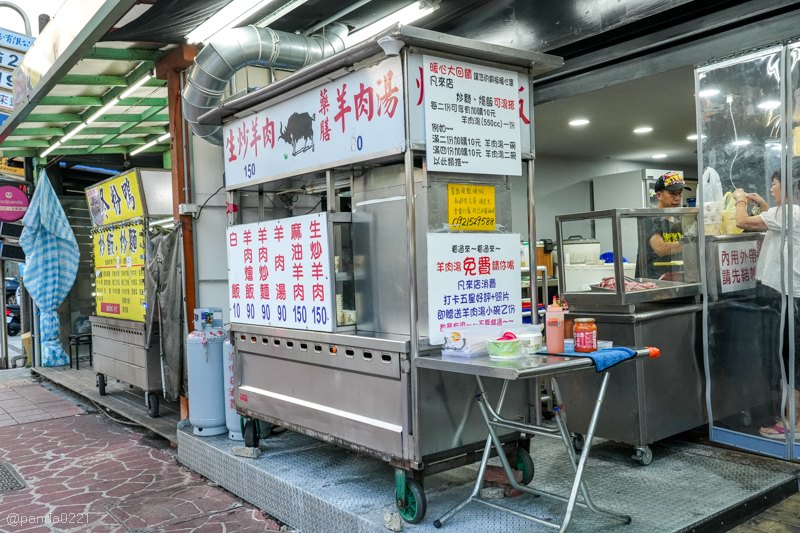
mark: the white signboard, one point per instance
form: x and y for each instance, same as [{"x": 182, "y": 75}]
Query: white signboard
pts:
[
  {"x": 358, "y": 115},
  {"x": 471, "y": 118},
  {"x": 737, "y": 265},
  {"x": 14, "y": 40},
  {"x": 473, "y": 280},
  {"x": 6, "y": 101},
  {"x": 279, "y": 273},
  {"x": 9, "y": 60}
]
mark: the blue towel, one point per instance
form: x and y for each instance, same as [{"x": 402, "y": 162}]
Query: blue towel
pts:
[{"x": 603, "y": 359}]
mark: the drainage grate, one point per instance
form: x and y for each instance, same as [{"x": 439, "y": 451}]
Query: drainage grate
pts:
[{"x": 10, "y": 480}]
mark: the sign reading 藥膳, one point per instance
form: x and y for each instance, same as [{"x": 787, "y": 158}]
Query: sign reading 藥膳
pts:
[
  {"x": 119, "y": 259},
  {"x": 737, "y": 265},
  {"x": 471, "y": 118},
  {"x": 473, "y": 280},
  {"x": 279, "y": 273},
  {"x": 115, "y": 200},
  {"x": 471, "y": 207},
  {"x": 356, "y": 116}
]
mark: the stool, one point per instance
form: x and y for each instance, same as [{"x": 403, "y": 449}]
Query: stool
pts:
[{"x": 77, "y": 341}]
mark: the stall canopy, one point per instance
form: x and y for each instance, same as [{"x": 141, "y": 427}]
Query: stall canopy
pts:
[{"x": 52, "y": 264}]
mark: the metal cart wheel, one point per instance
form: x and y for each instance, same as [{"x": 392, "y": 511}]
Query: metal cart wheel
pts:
[
  {"x": 644, "y": 455},
  {"x": 577, "y": 442},
  {"x": 416, "y": 504},
  {"x": 525, "y": 465},
  {"x": 152, "y": 404},
  {"x": 101, "y": 384},
  {"x": 746, "y": 417},
  {"x": 250, "y": 433}
]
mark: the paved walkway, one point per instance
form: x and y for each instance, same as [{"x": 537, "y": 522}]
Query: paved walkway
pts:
[{"x": 22, "y": 400}]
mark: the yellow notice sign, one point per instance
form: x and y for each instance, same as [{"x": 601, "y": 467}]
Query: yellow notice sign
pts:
[
  {"x": 6, "y": 168},
  {"x": 119, "y": 272},
  {"x": 471, "y": 207},
  {"x": 115, "y": 200}
]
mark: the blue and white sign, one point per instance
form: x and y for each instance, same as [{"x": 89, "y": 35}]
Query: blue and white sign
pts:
[{"x": 15, "y": 41}]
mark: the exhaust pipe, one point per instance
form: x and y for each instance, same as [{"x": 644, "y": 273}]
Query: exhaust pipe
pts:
[{"x": 237, "y": 48}]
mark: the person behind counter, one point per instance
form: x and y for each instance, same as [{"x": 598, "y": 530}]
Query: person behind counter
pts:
[
  {"x": 768, "y": 277},
  {"x": 664, "y": 234}
]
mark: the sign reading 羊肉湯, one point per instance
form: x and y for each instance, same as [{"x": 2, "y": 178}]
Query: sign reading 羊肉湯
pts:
[
  {"x": 473, "y": 280},
  {"x": 737, "y": 265},
  {"x": 279, "y": 273},
  {"x": 471, "y": 207},
  {"x": 471, "y": 118},
  {"x": 359, "y": 115},
  {"x": 119, "y": 262},
  {"x": 115, "y": 200}
]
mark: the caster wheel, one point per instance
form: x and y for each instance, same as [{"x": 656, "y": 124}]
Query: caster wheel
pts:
[
  {"x": 577, "y": 442},
  {"x": 416, "y": 504},
  {"x": 746, "y": 418},
  {"x": 644, "y": 455},
  {"x": 101, "y": 384},
  {"x": 152, "y": 405},
  {"x": 250, "y": 434},
  {"x": 524, "y": 465}
]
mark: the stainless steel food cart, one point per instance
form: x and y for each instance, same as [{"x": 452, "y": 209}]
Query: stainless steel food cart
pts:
[
  {"x": 357, "y": 385},
  {"x": 649, "y": 403}
]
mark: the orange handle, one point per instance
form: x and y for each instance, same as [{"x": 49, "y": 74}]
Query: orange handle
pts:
[{"x": 654, "y": 352}]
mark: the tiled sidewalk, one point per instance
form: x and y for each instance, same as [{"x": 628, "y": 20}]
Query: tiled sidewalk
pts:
[{"x": 23, "y": 400}]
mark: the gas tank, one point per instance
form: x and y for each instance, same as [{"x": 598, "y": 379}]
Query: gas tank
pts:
[{"x": 205, "y": 369}]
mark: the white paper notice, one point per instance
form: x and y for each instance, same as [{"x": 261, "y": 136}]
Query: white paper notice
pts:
[
  {"x": 279, "y": 273},
  {"x": 737, "y": 265},
  {"x": 471, "y": 118},
  {"x": 473, "y": 280}
]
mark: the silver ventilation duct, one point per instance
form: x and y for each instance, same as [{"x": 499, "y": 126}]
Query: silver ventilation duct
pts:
[{"x": 237, "y": 48}]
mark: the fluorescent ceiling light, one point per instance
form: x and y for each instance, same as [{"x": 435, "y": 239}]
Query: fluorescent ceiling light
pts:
[
  {"x": 578, "y": 122},
  {"x": 708, "y": 92},
  {"x": 163, "y": 137},
  {"x": 692, "y": 137},
  {"x": 659, "y": 156},
  {"x": 280, "y": 12},
  {"x": 50, "y": 149},
  {"x": 72, "y": 133},
  {"x": 644, "y": 129},
  {"x": 740, "y": 143},
  {"x": 769, "y": 105},
  {"x": 228, "y": 17},
  {"x": 136, "y": 85},
  {"x": 150, "y": 144},
  {"x": 103, "y": 110},
  {"x": 407, "y": 15}
]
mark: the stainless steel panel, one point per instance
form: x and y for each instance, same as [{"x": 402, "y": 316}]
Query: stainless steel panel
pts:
[
  {"x": 377, "y": 341},
  {"x": 365, "y": 410},
  {"x": 126, "y": 331},
  {"x": 119, "y": 351},
  {"x": 147, "y": 377}
]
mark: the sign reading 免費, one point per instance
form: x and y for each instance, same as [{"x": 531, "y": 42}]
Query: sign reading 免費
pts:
[
  {"x": 279, "y": 273},
  {"x": 471, "y": 118},
  {"x": 473, "y": 280},
  {"x": 737, "y": 265},
  {"x": 471, "y": 207}
]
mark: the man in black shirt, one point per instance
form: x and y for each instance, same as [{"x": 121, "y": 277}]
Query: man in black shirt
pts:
[{"x": 664, "y": 234}]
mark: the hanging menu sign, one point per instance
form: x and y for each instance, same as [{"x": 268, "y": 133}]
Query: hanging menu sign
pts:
[
  {"x": 119, "y": 271},
  {"x": 473, "y": 280},
  {"x": 471, "y": 118},
  {"x": 279, "y": 273},
  {"x": 115, "y": 199},
  {"x": 737, "y": 265}
]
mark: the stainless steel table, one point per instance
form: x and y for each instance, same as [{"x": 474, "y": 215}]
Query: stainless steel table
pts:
[{"x": 526, "y": 368}]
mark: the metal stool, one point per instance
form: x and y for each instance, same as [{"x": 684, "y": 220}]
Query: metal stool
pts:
[{"x": 77, "y": 341}]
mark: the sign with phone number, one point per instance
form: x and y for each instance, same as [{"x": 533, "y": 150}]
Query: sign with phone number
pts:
[
  {"x": 471, "y": 207},
  {"x": 279, "y": 273}
]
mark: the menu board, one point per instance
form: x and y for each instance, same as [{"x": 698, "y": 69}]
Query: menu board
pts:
[
  {"x": 471, "y": 118},
  {"x": 471, "y": 207},
  {"x": 473, "y": 280},
  {"x": 279, "y": 273},
  {"x": 115, "y": 200},
  {"x": 119, "y": 258}
]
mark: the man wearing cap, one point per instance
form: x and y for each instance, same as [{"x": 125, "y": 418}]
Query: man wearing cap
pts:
[{"x": 664, "y": 234}]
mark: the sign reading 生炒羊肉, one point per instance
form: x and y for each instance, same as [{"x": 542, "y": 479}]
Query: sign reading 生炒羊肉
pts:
[
  {"x": 356, "y": 116},
  {"x": 473, "y": 280},
  {"x": 279, "y": 273},
  {"x": 471, "y": 118}
]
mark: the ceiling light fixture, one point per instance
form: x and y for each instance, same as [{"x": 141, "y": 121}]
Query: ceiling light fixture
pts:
[
  {"x": 228, "y": 17},
  {"x": 407, "y": 15},
  {"x": 692, "y": 137},
  {"x": 50, "y": 149},
  {"x": 659, "y": 156},
  {"x": 144, "y": 79},
  {"x": 72, "y": 133},
  {"x": 578, "y": 122},
  {"x": 279, "y": 13},
  {"x": 150, "y": 144},
  {"x": 708, "y": 92},
  {"x": 769, "y": 105},
  {"x": 644, "y": 129},
  {"x": 740, "y": 143},
  {"x": 103, "y": 110}
]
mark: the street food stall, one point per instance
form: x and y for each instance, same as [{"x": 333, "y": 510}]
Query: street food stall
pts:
[
  {"x": 331, "y": 310},
  {"x": 126, "y": 332}
]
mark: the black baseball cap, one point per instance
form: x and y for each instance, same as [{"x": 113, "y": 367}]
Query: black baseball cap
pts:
[{"x": 671, "y": 181}]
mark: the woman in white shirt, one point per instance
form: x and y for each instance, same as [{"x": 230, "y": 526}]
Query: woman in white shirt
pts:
[{"x": 768, "y": 273}]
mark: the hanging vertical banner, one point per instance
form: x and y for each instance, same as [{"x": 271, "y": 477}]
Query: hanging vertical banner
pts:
[
  {"x": 279, "y": 273},
  {"x": 119, "y": 258},
  {"x": 473, "y": 280},
  {"x": 471, "y": 207},
  {"x": 471, "y": 118}
]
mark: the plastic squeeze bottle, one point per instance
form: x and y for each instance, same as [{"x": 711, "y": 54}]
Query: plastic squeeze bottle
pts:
[{"x": 554, "y": 320}]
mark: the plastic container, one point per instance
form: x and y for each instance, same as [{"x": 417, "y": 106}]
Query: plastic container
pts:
[
  {"x": 506, "y": 347},
  {"x": 530, "y": 335},
  {"x": 554, "y": 320},
  {"x": 468, "y": 341},
  {"x": 585, "y": 335}
]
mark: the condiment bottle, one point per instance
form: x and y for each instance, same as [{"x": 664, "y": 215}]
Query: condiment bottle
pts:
[
  {"x": 554, "y": 320},
  {"x": 585, "y": 335}
]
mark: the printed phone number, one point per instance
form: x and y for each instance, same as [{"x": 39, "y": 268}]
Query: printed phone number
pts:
[
  {"x": 472, "y": 221},
  {"x": 300, "y": 313}
]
